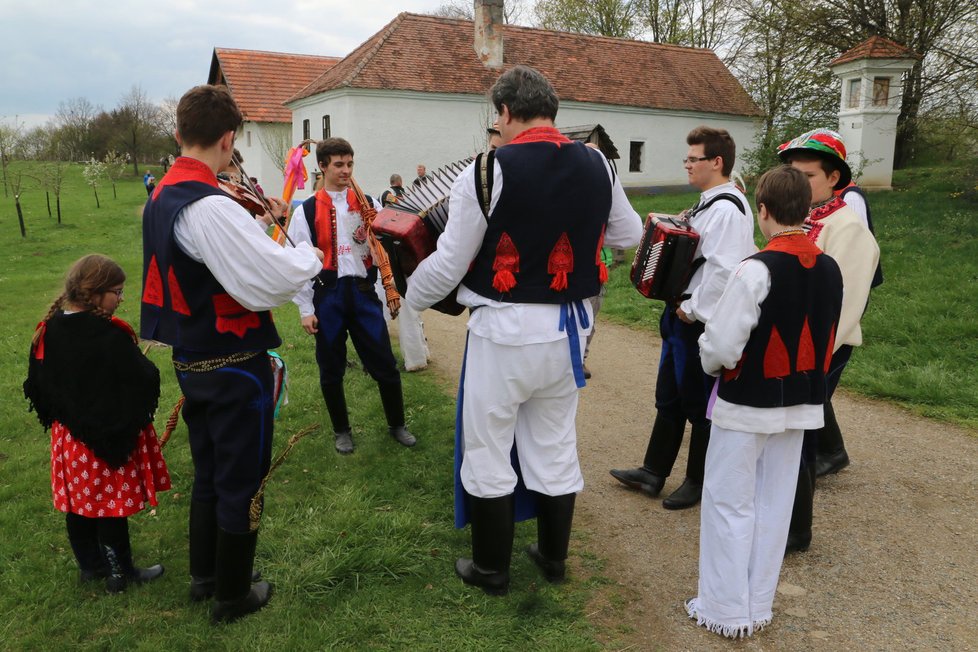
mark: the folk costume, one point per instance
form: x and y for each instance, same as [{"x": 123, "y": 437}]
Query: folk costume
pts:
[
  {"x": 211, "y": 276},
  {"x": 838, "y": 231},
  {"x": 725, "y": 223},
  {"x": 771, "y": 344},
  {"x": 97, "y": 393},
  {"x": 527, "y": 266},
  {"x": 345, "y": 303}
]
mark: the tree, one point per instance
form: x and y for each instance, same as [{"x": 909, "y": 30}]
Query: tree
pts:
[
  {"x": 73, "y": 123},
  {"x": 616, "y": 18},
  {"x": 515, "y": 12},
  {"x": 276, "y": 142},
  {"x": 943, "y": 32},
  {"x": 93, "y": 172},
  {"x": 137, "y": 119},
  {"x": 10, "y": 134},
  {"x": 115, "y": 167},
  {"x": 52, "y": 178},
  {"x": 694, "y": 23},
  {"x": 17, "y": 187}
]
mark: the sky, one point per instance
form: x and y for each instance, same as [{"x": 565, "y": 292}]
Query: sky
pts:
[{"x": 53, "y": 51}]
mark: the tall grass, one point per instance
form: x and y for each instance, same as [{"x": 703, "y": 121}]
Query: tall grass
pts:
[{"x": 360, "y": 549}]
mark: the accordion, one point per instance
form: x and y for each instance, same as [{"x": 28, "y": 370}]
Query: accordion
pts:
[
  {"x": 409, "y": 229},
  {"x": 664, "y": 260}
]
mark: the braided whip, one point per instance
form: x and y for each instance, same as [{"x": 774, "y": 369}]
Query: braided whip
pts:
[
  {"x": 254, "y": 511},
  {"x": 171, "y": 423}
]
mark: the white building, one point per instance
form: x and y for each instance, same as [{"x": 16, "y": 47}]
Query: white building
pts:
[
  {"x": 415, "y": 92},
  {"x": 260, "y": 82}
]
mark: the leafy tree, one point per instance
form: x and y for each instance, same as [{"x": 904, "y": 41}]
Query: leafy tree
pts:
[
  {"x": 616, "y": 18},
  {"x": 137, "y": 120},
  {"x": 115, "y": 167}
]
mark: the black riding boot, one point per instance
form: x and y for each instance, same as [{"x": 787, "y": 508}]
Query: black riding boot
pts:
[
  {"x": 336, "y": 406},
  {"x": 113, "y": 537},
  {"x": 800, "y": 529},
  {"x": 392, "y": 399},
  {"x": 831, "y": 456},
  {"x": 660, "y": 455},
  {"x": 234, "y": 593},
  {"x": 83, "y": 537},
  {"x": 203, "y": 549},
  {"x": 690, "y": 491},
  {"x": 492, "y": 544},
  {"x": 554, "y": 518}
]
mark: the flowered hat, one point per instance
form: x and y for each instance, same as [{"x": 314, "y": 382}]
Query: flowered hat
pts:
[{"x": 824, "y": 143}]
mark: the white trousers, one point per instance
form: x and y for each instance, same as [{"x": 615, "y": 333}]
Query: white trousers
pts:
[
  {"x": 410, "y": 331},
  {"x": 748, "y": 492},
  {"x": 527, "y": 394}
]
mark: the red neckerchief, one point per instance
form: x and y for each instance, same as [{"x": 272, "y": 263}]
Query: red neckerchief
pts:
[
  {"x": 118, "y": 323},
  {"x": 186, "y": 169},
  {"x": 541, "y": 135},
  {"x": 814, "y": 220},
  {"x": 796, "y": 245},
  {"x": 326, "y": 224}
]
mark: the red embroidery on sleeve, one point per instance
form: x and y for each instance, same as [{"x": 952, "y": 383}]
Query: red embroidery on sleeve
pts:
[
  {"x": 602, "y": 268},
  {"x": 232, "y": 317},
  {"x": 560, "y": 263},
  {"x": 777, "y": 364},
  {"x": 506, "y": 264}
]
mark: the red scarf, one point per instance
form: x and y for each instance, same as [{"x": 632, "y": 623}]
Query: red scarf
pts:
[
  {"x": 541, "y": 135},
  {"x": 326, "y": 226}
]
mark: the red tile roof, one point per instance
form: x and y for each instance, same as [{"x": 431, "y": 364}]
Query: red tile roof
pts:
[
  {"x": 261, "y": 81},
  {"x": 876, "y": 47},
  {"x": 431, "y": 54}
]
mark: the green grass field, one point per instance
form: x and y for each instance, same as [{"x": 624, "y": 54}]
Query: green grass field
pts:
[{"x": 361, "y": 549}]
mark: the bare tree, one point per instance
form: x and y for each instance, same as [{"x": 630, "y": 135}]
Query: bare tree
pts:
[
  {"x": 276, "y": 143},
  {"x": 73, "y": 123},
  {"x": 515, "y": 12},
  {"x": 138, "y": 121},
  {"x": 695, "y": 23}
]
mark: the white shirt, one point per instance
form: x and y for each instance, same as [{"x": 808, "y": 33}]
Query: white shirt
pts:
[
  {"x": 722, "y": 345},
  {"x": 856, "y": 202},
  {"x": 349, "y": 253},
  {"x": 251, "y": 267},
  {"x": 726, "y": 238},
  {"x": 501, "y": 322}
]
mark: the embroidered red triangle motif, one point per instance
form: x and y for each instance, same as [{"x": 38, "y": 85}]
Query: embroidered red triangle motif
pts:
[
  {"x": 777, "y": 364},
  {"x": 153, "y": 287},
  {"x": 806, "y": 349},
  {"x": 177, "y": 302},
  {"x": 560, "y": 263},
  {"x": 232, "y": 317},
  {"x": 506, "y": 264},
  {"x": 830, "y": 350}
]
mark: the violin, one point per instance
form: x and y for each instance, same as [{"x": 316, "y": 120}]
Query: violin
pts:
[{"x": 248, "y": 199}]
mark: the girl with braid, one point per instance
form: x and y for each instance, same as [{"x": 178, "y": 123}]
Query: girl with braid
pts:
[{"x": 96, "y": 392}]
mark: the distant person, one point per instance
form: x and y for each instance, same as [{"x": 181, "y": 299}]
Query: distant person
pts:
[
  {"x": 394, "y": 193},
  {"x": 422, "y": 175},
  {"x": 495, "y": 138},
  {"x": 165, "y": 163},
  {"x": 150, "y": 182},
  {"x": 768, "y": 343},
  {"x": 94, "y": 389}
]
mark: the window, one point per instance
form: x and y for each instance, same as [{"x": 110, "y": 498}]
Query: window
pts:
[
  {"x": 325, "y": 127},
  {"x": 305, "y": 130},
  {"x": 635, "y": 149},
  {"x": 881, "y": 91},
  {"x": 853, "y": 98}
]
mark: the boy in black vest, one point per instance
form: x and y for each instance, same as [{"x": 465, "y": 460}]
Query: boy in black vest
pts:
[
  {"x": 770, "y": 344},
  {"x": 210, "y": 278}
]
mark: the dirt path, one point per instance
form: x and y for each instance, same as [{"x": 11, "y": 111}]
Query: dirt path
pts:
[{"x": 894, "y": 561}]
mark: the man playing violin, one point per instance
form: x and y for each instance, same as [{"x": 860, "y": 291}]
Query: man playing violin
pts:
[
  {"x": 345, "y": 302},
  {"x": 211, "y": 276}
]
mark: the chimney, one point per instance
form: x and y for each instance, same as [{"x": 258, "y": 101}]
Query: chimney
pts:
[{"x": 489, "y": 32}]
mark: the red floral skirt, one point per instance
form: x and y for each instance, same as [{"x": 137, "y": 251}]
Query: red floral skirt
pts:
[{"x": 84, "y": 484}]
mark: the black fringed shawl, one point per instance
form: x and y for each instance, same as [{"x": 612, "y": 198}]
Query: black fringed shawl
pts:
[{"x": 88, "y": 373}]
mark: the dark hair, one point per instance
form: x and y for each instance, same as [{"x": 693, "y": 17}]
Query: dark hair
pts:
[
  {"x": 715, "y": 142},
  {"x": 526, "y": 93},
  {"x": 785, "y": 193},
  {"x": 332, "y": 147},
  {"x": 205, "y": 113},
  {"x": 828, "y": 167}
]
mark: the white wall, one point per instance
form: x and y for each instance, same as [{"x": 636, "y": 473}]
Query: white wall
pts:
[
  {"x": 257, "y": 161},
  {"x": 391, "y": 132}
]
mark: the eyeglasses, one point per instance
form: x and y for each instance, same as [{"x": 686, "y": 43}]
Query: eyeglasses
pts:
[
  {"x": 694, "y": 159},
  {"x": 118, "y": 293}
]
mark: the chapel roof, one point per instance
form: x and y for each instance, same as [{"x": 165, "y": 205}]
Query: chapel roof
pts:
[{"x": 876, "y": 47}]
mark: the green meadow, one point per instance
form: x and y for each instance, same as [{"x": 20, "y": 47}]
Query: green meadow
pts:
[{"x": 360, "y": 549}]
